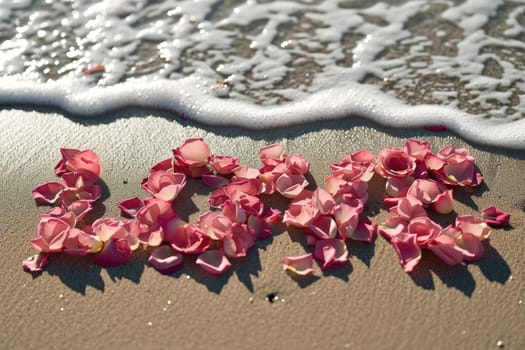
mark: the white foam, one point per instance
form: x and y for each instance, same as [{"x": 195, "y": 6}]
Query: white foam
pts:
[
  {"x": 266, "y": 65},
  {"x": 184, "y": 97}
]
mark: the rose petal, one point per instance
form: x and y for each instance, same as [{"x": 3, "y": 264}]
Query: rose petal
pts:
[
  {"x": 446, "y": 249},
  {"x": 495, "y": 217},
  {"x": 470, "y": 246},
  {"x": 424, "y": 229},
  {"x": 214, "y": 262},
  {"x": 238, "y": 241},
  {"x": 417, "y": 149},
  {"x": 194, "y": 151},
  {"x": 244, "y": 172},
  {"x": 47, "y": 193},
  {"x": 407, "y": 250},
  {"x": 87, "y": 164},
  {"x": 164, "y": 185},
  {"x": 392, "y": 227},
  {"x": 166, "y": 260},
  {"x": 323, "y": 227},
  {"x": 272, "y": 154},
  {"x": 299, "y": 215},
  {"x": 291, "y": 185},
  {"x": 297, "y": 164},
  {"x": 35, "y": 263},
  {"x": 365, "y": 231},
  {"x": 186, "y": 238},
  {"x": 394, "y": 162},
  {"x": 130, "y": 206},
  {"x": 444, "y": 202},
  {"x": 473, "y": 225},
  {"x": 330, "y": 252},
  {"x": 398, "y": 186},
  {"x": 409, "y": 208},
  {"x": 223, "y": 164},
  {"x": 115, "y": 252},
  {"x": 300, "y": 265},
  {"x": 323, "y": 201}
]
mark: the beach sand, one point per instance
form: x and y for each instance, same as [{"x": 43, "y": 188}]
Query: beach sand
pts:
[{"x": 368, "y": 304}]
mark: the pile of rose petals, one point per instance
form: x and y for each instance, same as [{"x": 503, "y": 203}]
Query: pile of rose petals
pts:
[{"x": 417, "y": 181}]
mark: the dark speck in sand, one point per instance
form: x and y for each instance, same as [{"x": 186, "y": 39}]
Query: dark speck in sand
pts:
[
  {"x": 125, "y": 182},
  {"x": 271, "y": 297}
]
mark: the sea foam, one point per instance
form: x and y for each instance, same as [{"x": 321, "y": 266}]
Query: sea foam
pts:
[{"x": 260, "y": 64}]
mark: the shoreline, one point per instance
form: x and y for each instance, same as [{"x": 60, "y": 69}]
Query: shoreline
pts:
[
  {"x": 347, "y": 122},
  {"x": 369, "y": 304}
]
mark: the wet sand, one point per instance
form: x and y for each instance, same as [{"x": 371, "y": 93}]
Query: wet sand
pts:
[{"x": 368, "y": 304}]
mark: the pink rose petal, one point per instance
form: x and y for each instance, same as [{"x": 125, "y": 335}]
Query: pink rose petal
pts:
[
  {"x": 407, "y": 250},
  {"x": 214, "y": 225},
  {"x": 426, "y": 191},
  {"x": 409, "y": 208},
  {"x": 85, "y": 163},
  {"x": 47, "y": 193},
  {"x": 214, "y": 262},
  {"x": 347, "y": 218},
  {"x": 238, "y": 241},
  {"x": 365, "y": 231},
  {"x": 330, "y": 252},
  {"x": 300, "y": 265},
  {"x": 166, "y": 165},
  {"x": 473, "y": 225},
  {"x": 35, "y": 263},
  {"x": 495, "y": 217},
  {"x": 260, "y": 226},
  {"x": 297, "y": 164},
  {"x": 424, "y": 229},
  {"x": 471, "y": 247},
  {"x": 79, "y": 242},
  {"x": 444, "y": 202},
  {"x": 130, "y": 206},
  {"x": 398, "y": 186},
  {"x": 272, "y": 154},
  {"x": 151, "y": 235},
  {"x": 194, "y": 152},
  {"x": 244, "y": 172},
  {"x": 80, "y": 208},
  {"x": 186, "y": 238},
  {"x": 299, "y": 215},
  {"x": 290, "y": 186},
  {"x": 67, "y": 154},
  {"x": 164, "y": 185},
  {"x": 166, "y": 260},
  {"x": 115, "y": 252},
  {"x": 223, "y": 164},
  {"x": 417, "y": 149},
  {"x": 392, "y": 227},
  {"x": 153, "y": 210},
  {"x": 322, "y": 227},
  {"x": 394, "y": 162},
  {"x": 323, "y": 201},
  {"x": 51, "y": 235},
  {"x": 446, "y": 249}
]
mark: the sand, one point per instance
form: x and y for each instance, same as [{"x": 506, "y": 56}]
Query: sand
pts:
[{"x": 368, "y": 304}]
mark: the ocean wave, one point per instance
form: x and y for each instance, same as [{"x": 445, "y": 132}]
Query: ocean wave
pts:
[{"x": 264, "y": 64}]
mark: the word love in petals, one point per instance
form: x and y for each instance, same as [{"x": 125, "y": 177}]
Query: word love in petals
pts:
[{"x": 417, "y": 180}]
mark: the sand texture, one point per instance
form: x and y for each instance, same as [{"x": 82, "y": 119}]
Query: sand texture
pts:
[{"x": 368, "y": 304}]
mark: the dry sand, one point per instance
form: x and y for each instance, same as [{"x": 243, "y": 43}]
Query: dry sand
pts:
[{"x": 369, "y": 304}]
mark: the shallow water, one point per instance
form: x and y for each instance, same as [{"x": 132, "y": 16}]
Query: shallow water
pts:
[{"x": 261, "y": 64}]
